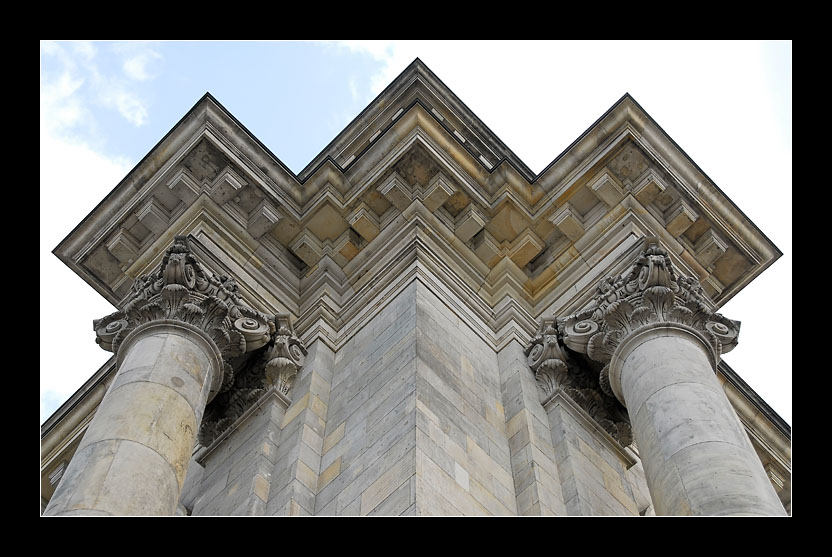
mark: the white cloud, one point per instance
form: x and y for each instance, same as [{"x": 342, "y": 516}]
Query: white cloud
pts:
[
  {"x": 394, "y": 55},
  {"x": 136, "y": 66},
  {"x": 83, "y": 80},
  {"x": 537, "y": 97},
  {"x": 353, "y": 85},
  {"x": 59, "y": 102},
  {"x": 86, "y": 49},
  {"x": 74, "y": 178},
  {"x": 115, "y": 94},
  {"x": 719, "y": 101}
]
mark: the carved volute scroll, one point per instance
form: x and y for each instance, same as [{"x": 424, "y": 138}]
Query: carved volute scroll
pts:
[
  {"x": 556, "y": 372},
  {"x": 181, "y": 290},
  {"x": 276, "y": 366},
  {"x": 649, "y": 293},
  {"x": 285, "y": 357},
  {"x": 546, "y": 360}
]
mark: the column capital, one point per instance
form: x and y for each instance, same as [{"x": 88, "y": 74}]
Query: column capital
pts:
[
  {"x": 181, "y": 290},
  {"x": 285, "y": 356},
  {"x": 556, "y": 372},
  {"x": 650, "y": 293},
  {"x": 274, "y": 369}
]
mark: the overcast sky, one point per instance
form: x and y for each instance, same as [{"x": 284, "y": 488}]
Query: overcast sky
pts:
[{"x": 104, "y": 105}]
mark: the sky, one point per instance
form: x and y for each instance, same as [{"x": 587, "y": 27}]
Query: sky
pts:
[{"x": 104, "y": 105}]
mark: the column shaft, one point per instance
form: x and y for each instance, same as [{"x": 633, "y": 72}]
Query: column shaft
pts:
[
  {"x": 696, "y": 454},
  {"x": 135, "y": 453}
]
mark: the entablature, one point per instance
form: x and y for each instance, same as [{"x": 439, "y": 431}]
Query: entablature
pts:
[
  {"x": 417, "y": 188},
  {"x": 217, "y": 176}
]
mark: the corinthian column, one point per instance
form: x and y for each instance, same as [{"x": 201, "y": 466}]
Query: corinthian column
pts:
[
  {"x": 661, "y": 344},
  {"x": 172, "y": 342}
]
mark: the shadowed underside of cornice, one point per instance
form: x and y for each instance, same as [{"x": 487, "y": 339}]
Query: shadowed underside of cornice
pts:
[{"x": 417, "y": 163}]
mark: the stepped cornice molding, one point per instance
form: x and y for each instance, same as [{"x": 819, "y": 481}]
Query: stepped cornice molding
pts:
[
  {"x": 225, "y": 247},
  {"x": 416, "y": 84},
  {"x": 649, "y": 294},
  {"x": 317, "y": 244},
  {"x": 179, "y": 294},
  {"x": 415, "y": 251}
]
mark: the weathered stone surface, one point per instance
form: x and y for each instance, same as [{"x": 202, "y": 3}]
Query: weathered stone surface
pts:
[
  {"x": 682, "y": 421},
  {"x": 171, "y": 339},
  {"x": 237, "y": 476},
  {"x": 296, "y": 465},
  {"x": 414, "y": 256},
  {"x": 660, "y": 343},
  {"x": 152, "y": 410}
]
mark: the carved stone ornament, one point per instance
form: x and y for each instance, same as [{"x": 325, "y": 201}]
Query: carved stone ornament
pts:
[
  {"x": 181, "y": 290},
  {"x": 285, "y": 357},
  {"x": 649, "y": 293},
  {"x": 276, "y": 367},
  {"x": 548, "y": 360}
]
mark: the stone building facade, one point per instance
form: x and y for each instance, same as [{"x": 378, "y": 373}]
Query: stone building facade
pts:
[{"x": 416, "y": 324}]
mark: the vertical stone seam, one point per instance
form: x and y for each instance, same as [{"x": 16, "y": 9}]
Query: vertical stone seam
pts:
[
  {"x": 316, "y": 469},
  {"x": 533, "y": 465}
]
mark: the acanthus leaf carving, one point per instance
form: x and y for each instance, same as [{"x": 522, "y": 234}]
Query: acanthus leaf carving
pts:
[
  {"x": 182, "y": 290},
  {"x": 550, "y": 375},
  {"x": 651, "y": 291},
  {"x": 555, "y": 371},
  {"x": 286, "y": 356},
  {"x": 274, "y": 365},
  {"x": 544, "y": 346},
  {"x": 604, "y": 381}
]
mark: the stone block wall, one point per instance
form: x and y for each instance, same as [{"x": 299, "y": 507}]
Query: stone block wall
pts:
[
  {"x": 416, "y": 415},
  {"x": 463, "y": 459},
  {"x": 368, "y": 451},
  {"x": 533, "y": 459},
  {"x": 294, "y": 481},
  {"x": 596, "y": 478},
  {"x": 416, "y": 422},
  {"x": 234, "y": 479}
]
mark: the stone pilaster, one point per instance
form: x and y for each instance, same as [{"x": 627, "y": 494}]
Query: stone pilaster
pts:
[
  {"x": 588, "y": 429},
  {"x": 660, "y": 343},
  {"x": 241, "y": 430},
  {"x": 533, "y": 461},
  {"x": 295, "y": 474},
  {"x": 173, "y": 341}
]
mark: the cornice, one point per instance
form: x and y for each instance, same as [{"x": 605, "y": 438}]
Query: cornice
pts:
[
  {"x": 498, "y": 192},
  {"x": 417, "y": 84},
  {"x": 650, "y": 296},
  {"x": 417, "y": 177},
  {"x": 755, "y": 400},
  {"x": 500, "y": 246},
  {"x": 415, "y": 252}
]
